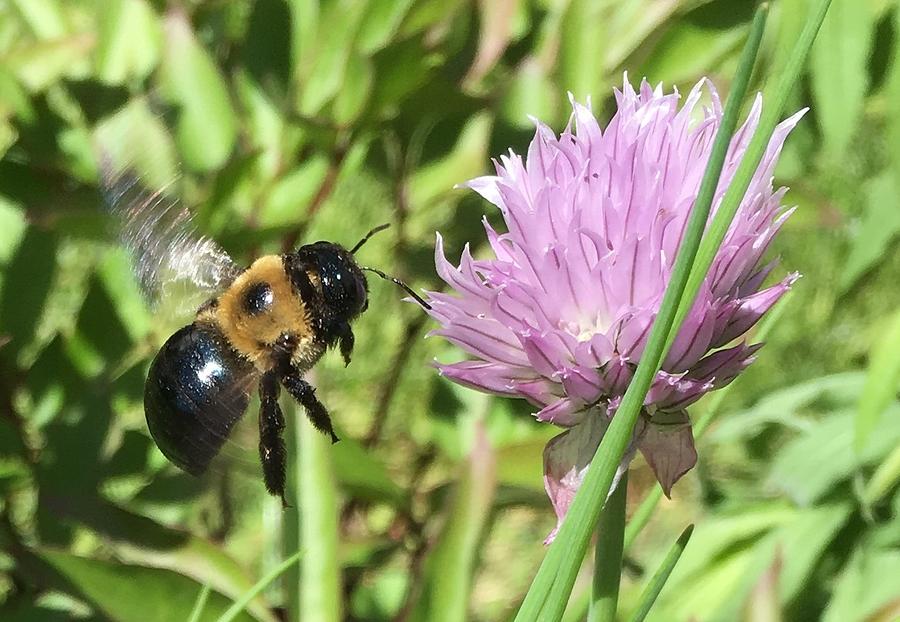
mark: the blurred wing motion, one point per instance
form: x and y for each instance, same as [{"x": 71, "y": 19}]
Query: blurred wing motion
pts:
[{"x": 167, "y": 252}]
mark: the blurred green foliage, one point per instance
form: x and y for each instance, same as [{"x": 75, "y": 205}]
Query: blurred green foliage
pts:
[{"x": 294, "y": 120}]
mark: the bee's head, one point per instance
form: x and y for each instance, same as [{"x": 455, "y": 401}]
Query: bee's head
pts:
[{"x": 343, "y": 284}]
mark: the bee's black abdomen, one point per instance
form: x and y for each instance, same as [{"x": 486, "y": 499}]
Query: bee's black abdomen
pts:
[{"x": 196, "y": 391}]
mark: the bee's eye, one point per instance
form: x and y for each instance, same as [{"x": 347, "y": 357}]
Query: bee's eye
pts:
[
  {"x": 258, "y": 298},
  {"x": 362, "y": 296}
]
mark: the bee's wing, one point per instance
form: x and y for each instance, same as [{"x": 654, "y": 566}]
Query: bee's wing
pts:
[{"x": 165, "y": 248}]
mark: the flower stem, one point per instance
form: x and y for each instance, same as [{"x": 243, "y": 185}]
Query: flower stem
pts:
[{"x": 608, "y": 556}]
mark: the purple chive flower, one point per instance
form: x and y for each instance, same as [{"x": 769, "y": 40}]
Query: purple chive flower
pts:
[{"x": 561, "y": 313}]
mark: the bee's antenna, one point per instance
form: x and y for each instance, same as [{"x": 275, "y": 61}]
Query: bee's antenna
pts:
[
  {"x": 405, "y": 287},
  {"x": 369, "y": 235}
]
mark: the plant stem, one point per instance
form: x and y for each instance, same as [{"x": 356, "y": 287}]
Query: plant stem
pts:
[
  {"x": 320, "y": 579},
  {"x": 290, "y": 517},
  {"x": 608, "y": 556}
]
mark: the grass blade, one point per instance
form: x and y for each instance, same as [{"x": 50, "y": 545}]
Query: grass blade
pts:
[
  {"x": 655, "y": 586},
  {"x": 553, "y": 583},
  {"x": 200, "y": 605},
  {"x": 882, "y": 379},
  {"x": 883, "y": 480},
  {"x": 451, "y": 565},
  {"x": 262, "y": 584}
]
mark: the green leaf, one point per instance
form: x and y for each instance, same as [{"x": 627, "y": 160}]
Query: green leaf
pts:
[
  {"x": 713, "y": 579},
  {"x": 26, "y": 286},
  {"x": 689, "y": 49},
  {"x": 129, "y": 41},
  {"x": 495, "y": 30},
  {"x": 44, "y": 17},
  {"x": 721, "y": 532},
  {"x": 839, "y": 73},
  {"x": 401, "y": 68},
  {"x": 426, "y": 14},
  {"x": 290, "y": 195},
  {"x": 882, "y": 381},
  {"x": 807, "y": 467},
  {"x": 43, "y": 612},
  {"x": 786, "y": 406},
  {"x": 141, "y": 541},
  {"x": 12, "y": 227},
  {"x": 531, "y": 93},
  {"x": 136, "y": 138},
  {"x": 382, "y": 597},
  {"x": 14, "y": 100},
  {"x": 582, "y": 44},
  {"x": 804, "y": 541},
  {"x": 893, "y": 94},
  {"x": 128, "y": 592},
  {"x": 879, "y": 225},
  {"x": 206, "y": 129},
  {"x": 363, "y": 476},
  {"x": 450, "y": 567},
  {"x": 351, "y": 99},
  {"x": 883, "y": 479},
  {"x": 712, "y": 583},
  {"x": 335, "y": 40},
  {"x": 128, "y": 302},
  {"x": 463, "y": 162},
  {"x": 380, "y": 24},
  {"x": 304, "y": 24},
  {"x": 633, "y": 24},
  {"x": 522, "y": 464},
  {"x": 869, "y": 582},
  {"x": 40, "y": 64}
]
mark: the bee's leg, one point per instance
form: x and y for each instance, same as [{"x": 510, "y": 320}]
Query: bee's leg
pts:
[
  {"x": 305, "y": 393},
  {"x": 272, "y": 452},
  {"x": 297, "y": 268},
  {"x": 346, "y": 340}
]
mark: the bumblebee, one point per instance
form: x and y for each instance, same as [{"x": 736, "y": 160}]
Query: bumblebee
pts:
[{"x": 261, "y": 327}]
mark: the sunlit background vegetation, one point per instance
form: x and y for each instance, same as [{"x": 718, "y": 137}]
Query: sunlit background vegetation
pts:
[{"x": 293, "y": 121}]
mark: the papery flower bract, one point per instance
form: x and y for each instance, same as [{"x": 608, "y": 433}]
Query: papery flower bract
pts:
[{"x": 561, "y": 314}]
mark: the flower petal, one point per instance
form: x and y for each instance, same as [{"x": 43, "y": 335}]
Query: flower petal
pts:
[
  {"x": 566, "y": 459},
  {"x": 667, "y": 444},
  {"x": 489, "y": 377},
  {"x": 747, "y": 312}
]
